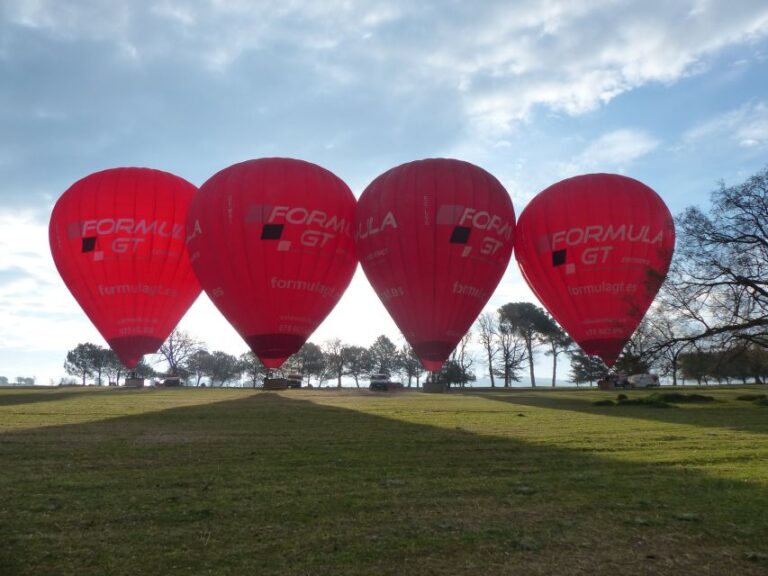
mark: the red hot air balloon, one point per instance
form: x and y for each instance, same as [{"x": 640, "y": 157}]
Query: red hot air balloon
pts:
[
  {"x": 595, "y": 250},
  {"x": 434, "y": 238},
  {"x": 118, "y": 240},
  {"x": 271, "y": 242}
]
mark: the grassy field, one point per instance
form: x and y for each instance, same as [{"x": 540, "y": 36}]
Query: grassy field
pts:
[{"x": 311, "y": 482}]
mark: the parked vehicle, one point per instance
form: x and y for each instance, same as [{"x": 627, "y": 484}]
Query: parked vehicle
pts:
[
  {"x": 643, "y": 381},
  {"x": 382, "y": 383}
]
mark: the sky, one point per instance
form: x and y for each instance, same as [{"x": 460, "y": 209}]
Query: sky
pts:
[{"x": 674, "y": 94}]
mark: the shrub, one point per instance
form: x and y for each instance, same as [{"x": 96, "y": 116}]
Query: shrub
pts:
[
  {"x": 751, "y": 397},
  {"x": 603, "y": 403},
  {"x": 680, "y": 398}
]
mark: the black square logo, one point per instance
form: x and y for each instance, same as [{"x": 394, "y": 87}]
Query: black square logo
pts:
[
  {"x": 558, "y": 257},
  {"x": 272, "y": 231},
  {"x": 460, "y": 235},
  {"x": 89, "y": 244}
]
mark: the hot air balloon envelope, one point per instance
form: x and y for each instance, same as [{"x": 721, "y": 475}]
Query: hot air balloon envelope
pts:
[
  {"x": 271, "y": 242},
  {"x": 595, "y": 250},
  {"x": 118, "y": 240},
  {"x": 434, "y": 238}
]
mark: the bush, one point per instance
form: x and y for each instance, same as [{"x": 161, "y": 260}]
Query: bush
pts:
[
  {"x": 679, "y": 398},
  {"x": 603, "y": 403},
  {"x": 653, "y": 401},
  {"x": 752, "y": 397}
]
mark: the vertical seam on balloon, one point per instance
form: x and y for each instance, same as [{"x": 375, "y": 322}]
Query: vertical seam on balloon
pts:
[
  {"x": 386, "y": 196},
  {"x": 150, "y": 309},
  {"x": 316, "y": 175},
  {"x": 81, "y": 274},
  {"x": 434, "y": 235},
  {"x": 238, "y": 186},
  {"x": 160, "y": 309},
  {"x": 554, "y": 282},
  {"x": 459, "y": 173},
  {"x": 176, "y": 190}
]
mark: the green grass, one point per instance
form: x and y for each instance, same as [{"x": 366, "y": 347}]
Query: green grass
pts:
[{"x": 347, "y": 483}]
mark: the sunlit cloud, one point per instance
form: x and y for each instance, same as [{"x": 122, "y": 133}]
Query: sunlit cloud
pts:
[
  {"x": 745, "y": 126},
  {"x": 613, "y": 151}
]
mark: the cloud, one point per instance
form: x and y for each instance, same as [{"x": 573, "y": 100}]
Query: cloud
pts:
[
  {"x": 503, "y": 60},
  {"x": 385, "y": 81},
  {"x": 745, "y": 126},
  {"x": 32, "y": 296},
  {"x": 612, "y": 151}
]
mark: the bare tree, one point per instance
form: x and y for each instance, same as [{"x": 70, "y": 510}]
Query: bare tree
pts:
[
  {"x": 719, "y": 277},
  {"x": 333, "y": 352},
  {"x": 463, "y": 359},
  {"x": 177, "y": 350},
  {"x": 410, "y": 364},
  {"x": 511, "y": 356},
  {"x": 487, "y": 336},
  {"x": 252, "y": 367},
  {"x": 669, "y": 331}
]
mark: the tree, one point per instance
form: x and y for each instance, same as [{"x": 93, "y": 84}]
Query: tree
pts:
[
  {"x": 199, "y": 364},
  {"x": 696, "y": 365},
  {"x": 461, "y": 361},
  {"x": 531, "y": 323},
  {"x": 586, "y": 368},
  {"x": 223, "y": 367},
  {"x": 719, "y": 277},
  {"x": 631, "y": 363},
  {"x": 357, "y": 361},
  {"x": 83, "y": 359},
  {"x": 252, "y": 367},
  {"x": 384, "y": 356},
  {"x": 453, "y": 373},
  {"x": 177, "y": 350},
  {"x": 668, "y": 330},
  {"x": 487, "y": 336},
  {"x": 143, "y": 370},
  {"x": 334, "y": 359},
  {"x": 308, "y": 361},
  {"x": 511, "y": 353},
  {"x": 113, "y": 366},
  {"x": 640, "y": 353},
  {"x": 3, "y": 380},
  {"x": 559, "y": 343},
  {"x": 410, "y": 364}
]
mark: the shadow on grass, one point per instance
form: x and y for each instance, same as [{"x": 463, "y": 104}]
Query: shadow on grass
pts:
[
  {"x": 277, "y": 484},
  {"x": 17, "y": 396},
  {"x": 733, "y": 416}
]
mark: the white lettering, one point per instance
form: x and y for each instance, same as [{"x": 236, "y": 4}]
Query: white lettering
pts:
[
  {"x": 600, "y": 234},
  {"x": 131, "y": 226},
  {"x": 299, "y": 215},
  {"x": 483, "y": 220},
  {"x": 371, "y": 228}
]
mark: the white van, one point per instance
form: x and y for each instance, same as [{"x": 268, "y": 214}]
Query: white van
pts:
[{"x": 643, "y": 381}]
